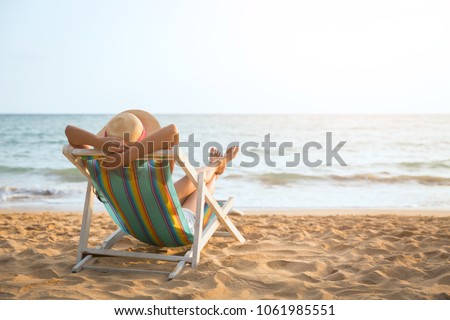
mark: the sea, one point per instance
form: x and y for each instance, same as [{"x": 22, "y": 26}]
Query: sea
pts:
[{"x": 286, "y": 161}]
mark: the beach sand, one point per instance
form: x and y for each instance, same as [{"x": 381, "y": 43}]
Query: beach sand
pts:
[{"x": 376, "y": 254}]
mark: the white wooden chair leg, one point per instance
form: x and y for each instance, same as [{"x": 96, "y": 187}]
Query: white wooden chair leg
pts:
[
  {"x": 80, "y": 264},
  {"x": 179, "y": 266},
  {"x": 227, "y": 223},
  {"x": 112, "y": 239},
  {"x": 108, "y": 243},
  {"x": 86, "y": 221},
  {"x": 198, "y": 228}
]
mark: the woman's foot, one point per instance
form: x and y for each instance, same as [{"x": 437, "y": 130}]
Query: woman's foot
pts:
[{"x": 220, "y": 161}]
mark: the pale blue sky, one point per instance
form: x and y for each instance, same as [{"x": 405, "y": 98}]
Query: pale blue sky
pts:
[{"x": 225, "y": 56}]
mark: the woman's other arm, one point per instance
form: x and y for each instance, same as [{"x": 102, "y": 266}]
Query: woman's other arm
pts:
[{"x": 80, "y": 138}]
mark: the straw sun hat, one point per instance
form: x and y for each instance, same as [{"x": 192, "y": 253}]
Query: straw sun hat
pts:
[{"x": 136, "y": 124}]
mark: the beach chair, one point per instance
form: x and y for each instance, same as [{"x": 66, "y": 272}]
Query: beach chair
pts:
[{"x": 142, "y": 200}]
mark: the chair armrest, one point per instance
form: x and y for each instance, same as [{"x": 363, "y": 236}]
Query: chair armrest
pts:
[{"x": 76, "y": 152}]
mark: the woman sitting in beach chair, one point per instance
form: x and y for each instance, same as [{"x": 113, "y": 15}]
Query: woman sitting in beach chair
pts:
[{"x": 133, "y": 134}]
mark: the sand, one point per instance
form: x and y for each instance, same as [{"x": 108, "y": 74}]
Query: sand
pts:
[{"x": 380, "y": 255}]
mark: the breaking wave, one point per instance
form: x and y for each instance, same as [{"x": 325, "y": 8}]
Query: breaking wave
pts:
[{"x": 279, "y": 179}]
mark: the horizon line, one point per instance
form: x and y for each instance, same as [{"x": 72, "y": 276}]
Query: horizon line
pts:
[{"x": 251, "y": 114}]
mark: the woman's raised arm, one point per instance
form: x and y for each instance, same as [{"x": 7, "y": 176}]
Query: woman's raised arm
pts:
[{"x": 80, "y": 138}]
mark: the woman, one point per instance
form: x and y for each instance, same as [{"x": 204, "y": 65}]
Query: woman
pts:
[{"x": 133, "y": 134}]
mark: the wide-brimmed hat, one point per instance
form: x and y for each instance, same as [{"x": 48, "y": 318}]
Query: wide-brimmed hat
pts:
[{"x": 134, "y": 125}]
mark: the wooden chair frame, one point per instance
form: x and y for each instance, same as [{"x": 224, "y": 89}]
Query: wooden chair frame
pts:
[{"x": 201, "y": 236}]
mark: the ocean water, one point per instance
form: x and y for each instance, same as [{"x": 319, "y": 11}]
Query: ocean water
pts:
[{"x": 392, "y": 161}]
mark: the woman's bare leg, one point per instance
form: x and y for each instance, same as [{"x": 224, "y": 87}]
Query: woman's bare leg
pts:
[
  {"x": 185, "y": 187},
  {"x": 218, "y": 162},
  {"x": 191, "y": 200}
]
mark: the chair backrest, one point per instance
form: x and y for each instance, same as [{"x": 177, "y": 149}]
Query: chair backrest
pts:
[{"x": 143, "y": 201}]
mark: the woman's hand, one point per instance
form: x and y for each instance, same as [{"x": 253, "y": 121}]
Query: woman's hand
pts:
[
  {"x": 120, "y": 159},
  {"x": 112, "y": 145}
]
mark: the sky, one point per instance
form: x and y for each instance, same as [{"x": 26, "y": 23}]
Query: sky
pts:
[{"x": 225, "y": 56}]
